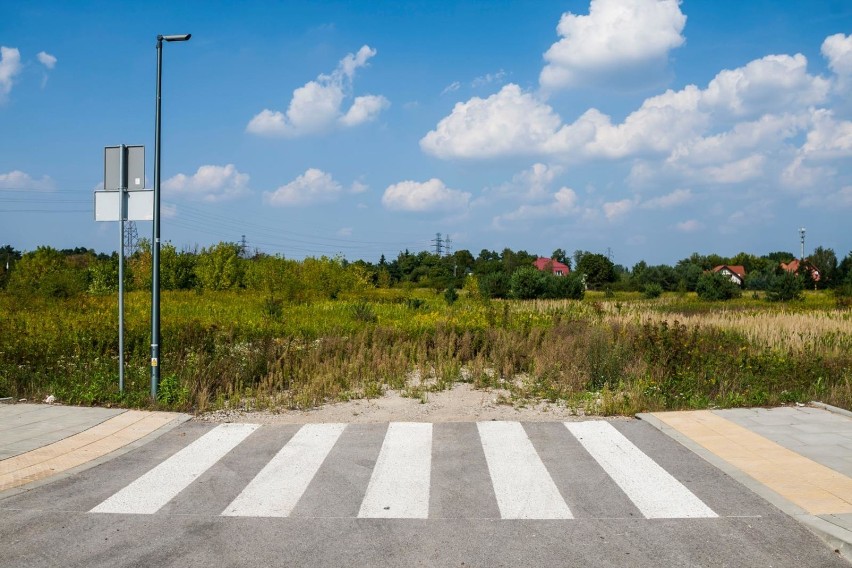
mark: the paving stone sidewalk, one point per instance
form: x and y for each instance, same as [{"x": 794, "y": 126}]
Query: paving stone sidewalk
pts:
[
  {"x": 41, "y": 441},
  {"x": 799, "y": 458}
]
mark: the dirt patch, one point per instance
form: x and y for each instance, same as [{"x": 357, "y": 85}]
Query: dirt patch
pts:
[{"x": 462, "y": 403}]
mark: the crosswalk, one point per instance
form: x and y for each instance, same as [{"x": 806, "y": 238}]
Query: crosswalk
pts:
[{"x": 497, "y": 470}]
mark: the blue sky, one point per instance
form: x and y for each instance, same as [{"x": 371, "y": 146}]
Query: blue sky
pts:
[{"x": 652, "y": 129}]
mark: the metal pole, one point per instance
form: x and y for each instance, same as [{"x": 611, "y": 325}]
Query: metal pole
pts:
[
  {"x": 122, "y": 193},
  {"x": 155, "y": 245},
  {"x": 155, "y": 251}
]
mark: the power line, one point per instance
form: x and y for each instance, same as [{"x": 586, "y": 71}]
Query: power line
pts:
[{"x": 193, "y": 219}]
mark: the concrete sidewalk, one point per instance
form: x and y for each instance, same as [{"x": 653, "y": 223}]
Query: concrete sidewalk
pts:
[
  {"x": 798, "y": 458},
  {"x": 41, "y": 441}
]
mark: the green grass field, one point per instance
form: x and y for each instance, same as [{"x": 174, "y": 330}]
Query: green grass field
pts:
[{"x": 606, "y": 354}]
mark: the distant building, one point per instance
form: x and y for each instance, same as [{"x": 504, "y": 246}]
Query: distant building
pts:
[
  {"x": 795, "y": 264},
  {"x": 735, "y": 273},
  {"x": 551, "y": 265}
]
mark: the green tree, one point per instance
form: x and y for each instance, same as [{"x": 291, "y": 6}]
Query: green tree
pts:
[
  {"x": 560, "y": 255},
  {"x": 597, "y": 268},
  {"x": 47, "y": 272},
  {"x": 688, "y": 273},
  {"x": 140, "y": 266},
  {"x": 103, "y": 275},
  {"x": 825, "y": 261},
  {"x": 220, "y": 267},
  {"x": 780, "y": 256},
  {"x": 177, "y": 269},
  {"x": 512, "y": 261},
  {"x": 844, "y": 269},
  {"x": 8, "y": 257}
]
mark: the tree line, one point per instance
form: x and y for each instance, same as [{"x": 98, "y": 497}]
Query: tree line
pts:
[{"x": 51, "y": 272}]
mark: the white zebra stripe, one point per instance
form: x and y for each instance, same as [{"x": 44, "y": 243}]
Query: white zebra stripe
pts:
[
  {"x": 401, "y": 480},
  {"x": 522, "y": 484},
  {"x": 149, "y": 493},
  {"x": 399, "y": 486},
  {"x": 280, "y": 484},
  {"x": 655, "y": 492}
]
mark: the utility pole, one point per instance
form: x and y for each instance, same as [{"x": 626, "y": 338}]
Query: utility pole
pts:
[
  {"x": 448, "y": 246},
  {"x": 802, "y": 235},
  {"x": 243, "y": 247}
]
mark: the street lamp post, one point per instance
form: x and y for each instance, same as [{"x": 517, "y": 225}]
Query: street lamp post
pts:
[{"x": 155, "y": 251}]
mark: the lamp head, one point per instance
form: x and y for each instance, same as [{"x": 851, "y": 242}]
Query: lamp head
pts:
[{"x": 179, "y": 37}]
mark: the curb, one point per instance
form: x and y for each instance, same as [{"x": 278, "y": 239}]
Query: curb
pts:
[
  {"x": 838, "y": 538},
  {"x": 832, "y": 409}
]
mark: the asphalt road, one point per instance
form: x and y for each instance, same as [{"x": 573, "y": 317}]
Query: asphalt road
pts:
[{"x": 492, "y": 494}]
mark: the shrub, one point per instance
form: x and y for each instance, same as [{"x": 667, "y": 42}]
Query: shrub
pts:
[
  {"x": 713, "y": 286},
  {"x": 843, "y": 295},
  {"x": 527, "y": 283},
  {"x": 784, "y": 288},
  {"x": 46, "y": 272},
  {"x": 273, "y": 308},
  {"x": 450, "y": 295},
  {"x": 568, "y": 287},
  {"x": 494, "y": 285},
  {"x": 363, "y": 312},
  {"x": 652, "y": 291}
]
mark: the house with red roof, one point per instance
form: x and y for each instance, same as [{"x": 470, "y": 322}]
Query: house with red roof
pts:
[
  {"x": 736, "y": 273},
  {"x": 795, "y": 264},
  {"x": 551, "y": 265}
]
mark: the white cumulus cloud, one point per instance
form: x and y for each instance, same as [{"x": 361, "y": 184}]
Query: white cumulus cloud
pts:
[
  {"x": 689, "y": 226},
  {"x": 562, "y": 204},
  {"x": 318, "y": 105},
  {"x": 10, "y": 65},
  {"x": 358, "y": 187},
  {"x": 209, "y": 184},
  {"x": 771, "y": 94},
  {"x": 615, "y": 36},
  {"x": 828, "y": 137},
  {"x": 775, "y": 83},
  {"x": 46, "y": 59},
  {"x": 828, "y": 142},
  {"x": 535, "y": 181},
  {"x": 16, "y": 179},
  {"x": 431, "y": 195},
  {"x": 837, "y": 49},
  {"x": 313, "y": 186},
  {"x": 615, "y": 209},
  {"x": 509, "y": 122},
  {"x": 673, "y": 199},
  {"x": 364, "y": 109}
]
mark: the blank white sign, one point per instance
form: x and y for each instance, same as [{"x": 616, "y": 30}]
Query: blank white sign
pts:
[{"x": 138, "y": 205}]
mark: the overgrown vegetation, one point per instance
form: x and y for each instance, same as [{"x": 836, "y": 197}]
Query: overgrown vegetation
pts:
[
  {"x": 618, "y": 355},
  {"x": 273, "y": 332}
]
